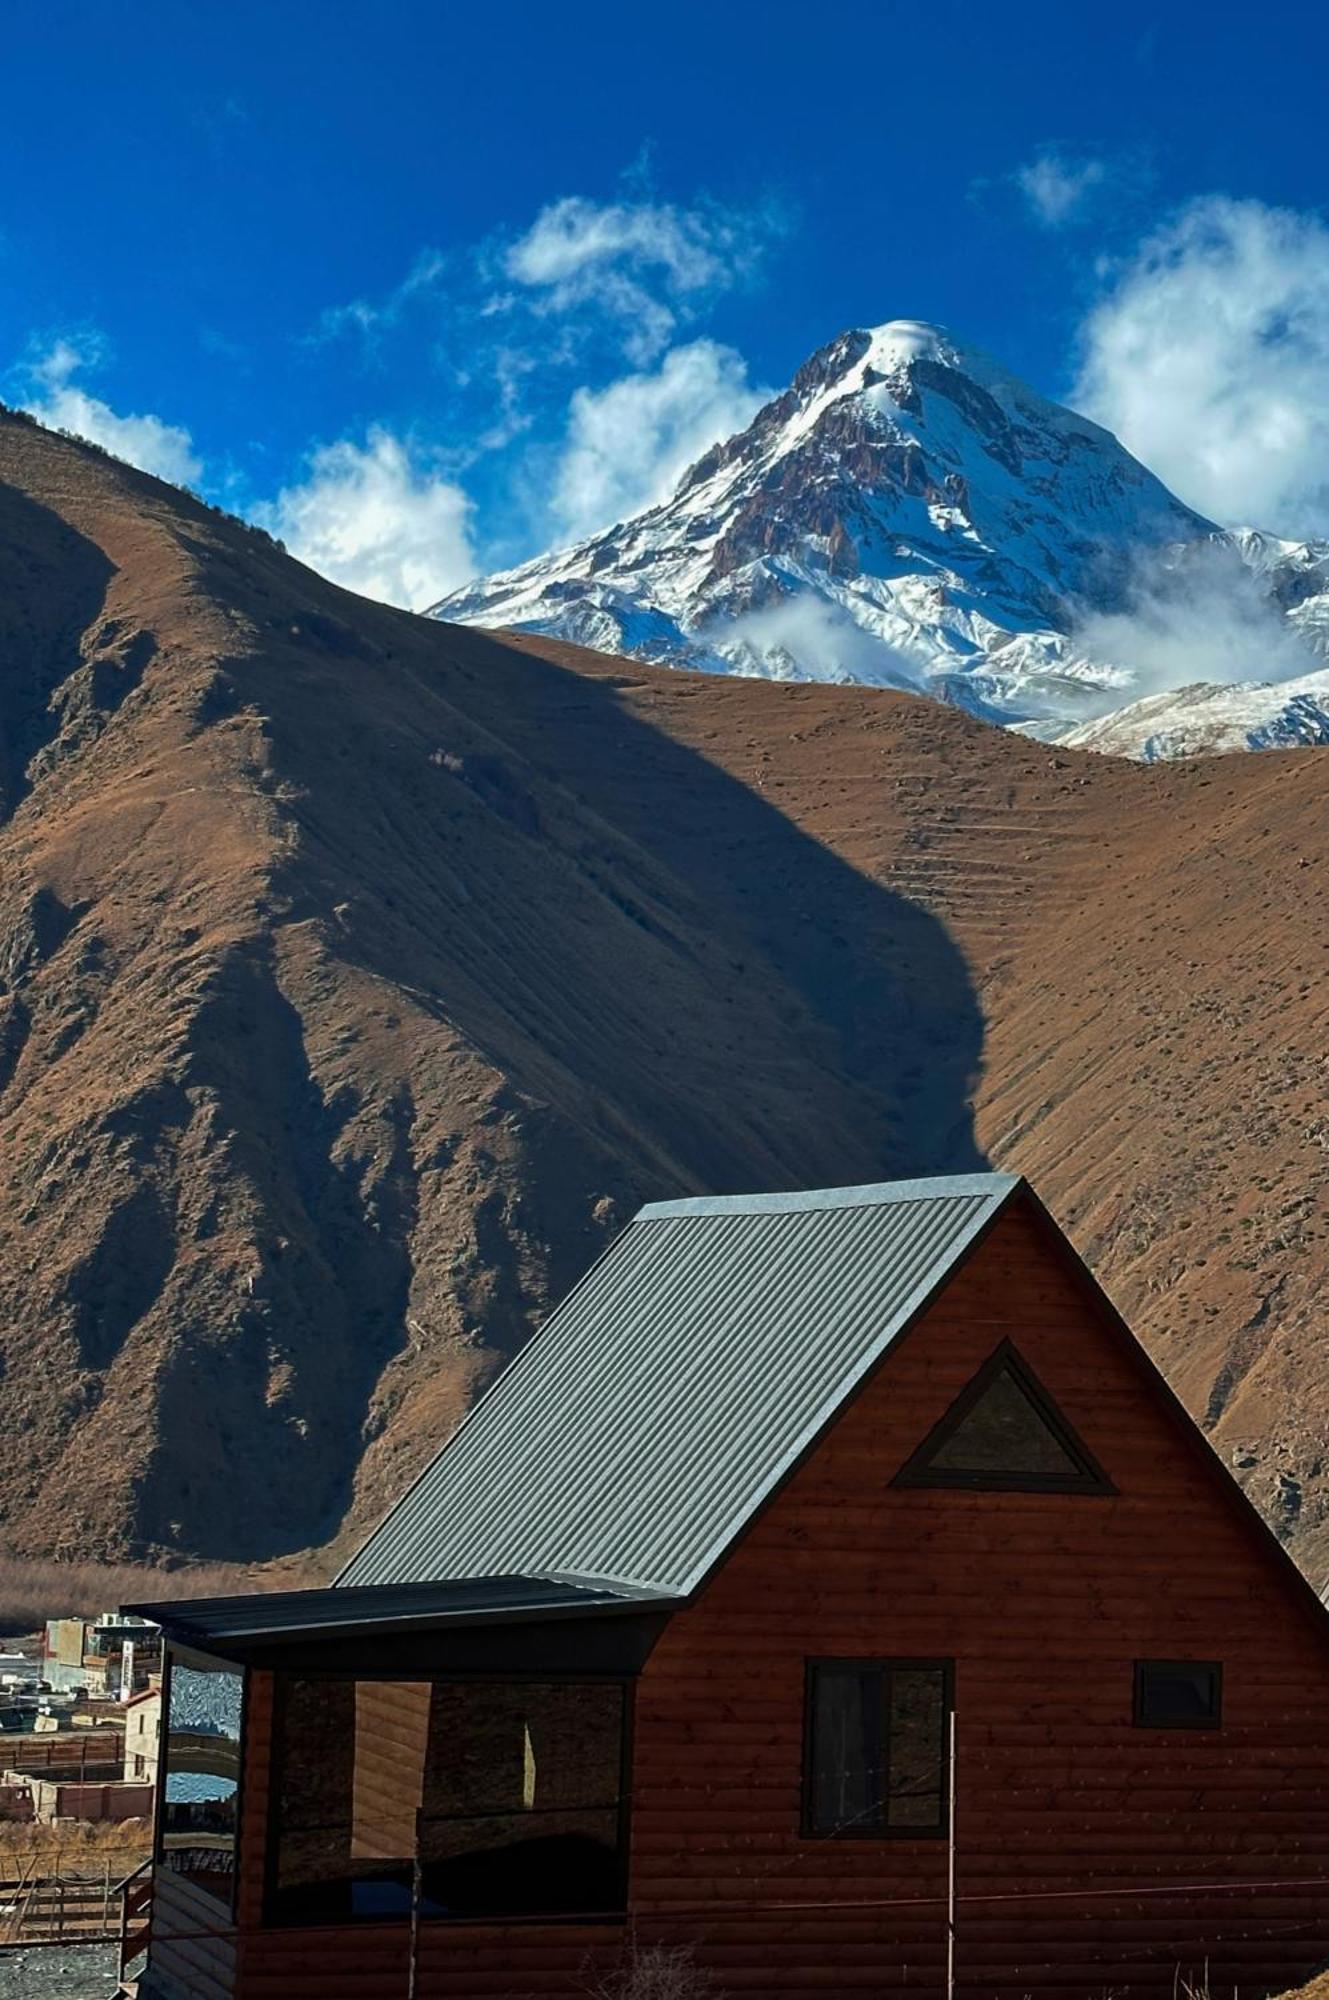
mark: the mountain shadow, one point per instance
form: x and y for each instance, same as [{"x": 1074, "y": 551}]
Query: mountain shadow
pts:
[
  {"x": 829, "y": 1029},
  {"x": 55, "y": 585}
]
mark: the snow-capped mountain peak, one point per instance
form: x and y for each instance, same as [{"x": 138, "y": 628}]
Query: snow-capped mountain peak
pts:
[{"x": 909, "y": 513}]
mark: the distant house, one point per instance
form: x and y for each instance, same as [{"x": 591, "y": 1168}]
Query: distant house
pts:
[
  {"x": 834, "y": 1591},
  {"x": 96, "y": 1654},
  {"x": 143, "y": 1727}
]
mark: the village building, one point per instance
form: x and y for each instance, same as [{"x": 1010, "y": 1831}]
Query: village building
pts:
[
  {"x": 80, "y": 1774},
  {"x": 110, "y": 1655},
  {"x": 143, "y": 1728},
  {"x": 833, "y": 1591},
  {"x": 57, "y": 1799}
]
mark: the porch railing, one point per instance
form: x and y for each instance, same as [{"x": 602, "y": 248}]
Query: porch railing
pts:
[{"x": 135, "y": 1894}]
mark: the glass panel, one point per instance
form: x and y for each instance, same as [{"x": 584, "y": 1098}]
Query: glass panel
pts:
[
  {"x": 514, "y": 1788},
  {"x": 1178, "y": 1694},
  {"x": 846, "y": 1736},
  {"x": 1004, "y": 1433},
  {"x": 387, "y": 1780},
  {"x": 917, "y": 1718},
  {"x": 878, "y": 1749},
  {"x": 201, "y": 1776},
  {"x": 521, "y": 1798}
]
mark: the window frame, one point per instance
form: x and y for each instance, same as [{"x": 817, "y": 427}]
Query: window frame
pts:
[
  {"x": 883, "y": 1665},
  {"x": 1139, "y": 1719},
  {"x": 1005, "y": 1358},
  {"x": 271, "y": 1916},
  {"x": 190, "y": 1656}
]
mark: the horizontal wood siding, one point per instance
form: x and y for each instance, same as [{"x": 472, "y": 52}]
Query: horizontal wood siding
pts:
[
  {"x": 1091, "y": 1855},
  {"x": 193, "y": 1944},
  {"x": 255, "y": 1800},
  {"x": 461, "y": 1961}
]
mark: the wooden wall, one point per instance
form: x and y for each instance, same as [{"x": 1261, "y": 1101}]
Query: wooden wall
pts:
[
  {"x": 1073, "y": 1826},
  {"x": 193, "y": 1945}
]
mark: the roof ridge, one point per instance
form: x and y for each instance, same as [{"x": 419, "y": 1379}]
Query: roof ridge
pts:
[{"x": 871, "y": 1194}]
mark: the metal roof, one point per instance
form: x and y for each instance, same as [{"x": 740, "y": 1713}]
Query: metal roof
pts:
[
  {"x": 637, "y": 1433},
  {"x": 215, "y": 1622}
]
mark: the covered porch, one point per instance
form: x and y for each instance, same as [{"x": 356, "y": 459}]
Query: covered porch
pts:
[{"x": 408, "y": 1757}]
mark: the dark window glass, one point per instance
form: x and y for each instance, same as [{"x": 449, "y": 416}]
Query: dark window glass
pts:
[
  {"x": 201, "y": 1776},
  {"x": 1004, "y": 1431},
  {"x": 1178, "y": 1694},
  {"x": 877, "y": 1747},
  {"x": 506, "y": 1793}
]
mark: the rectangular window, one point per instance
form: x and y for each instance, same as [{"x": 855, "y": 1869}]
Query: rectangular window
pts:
[
  {"x": 201, "y": 1775},
  {"x": 877, "y": 1752},
  {"x": 1178, "y": 1694},
  {"x": 509, "y": 1792}
]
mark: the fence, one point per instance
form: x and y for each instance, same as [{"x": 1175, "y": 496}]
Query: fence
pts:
[{"x": 38, "y": 1908}]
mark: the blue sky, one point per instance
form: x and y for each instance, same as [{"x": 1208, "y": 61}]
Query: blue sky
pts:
[{"x": 430, "y": 288}]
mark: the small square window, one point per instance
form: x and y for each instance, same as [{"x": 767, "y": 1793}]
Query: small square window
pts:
[{"x": 1178, "y": 1694}]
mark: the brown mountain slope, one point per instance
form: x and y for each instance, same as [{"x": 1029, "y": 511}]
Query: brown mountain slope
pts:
[{"x": 357, "y": 974}]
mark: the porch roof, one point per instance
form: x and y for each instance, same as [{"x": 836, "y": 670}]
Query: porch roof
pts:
[{"x": 272, "y": 1618}]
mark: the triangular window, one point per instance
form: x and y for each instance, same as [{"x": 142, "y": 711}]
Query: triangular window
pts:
[{"x": 1004, "y": 1432}]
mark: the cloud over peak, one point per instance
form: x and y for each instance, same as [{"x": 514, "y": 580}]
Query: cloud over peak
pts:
[
  {"x": 629, "y": 443},
  {"x": 1209, "y": 357},
  {"x": 642, "y": 265}
]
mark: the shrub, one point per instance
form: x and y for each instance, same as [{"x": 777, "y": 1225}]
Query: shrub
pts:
[{"x": 657, "y": 1972}]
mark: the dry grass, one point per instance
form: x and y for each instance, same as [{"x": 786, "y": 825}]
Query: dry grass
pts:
[
  {"x": 32, "y": 1592},
  {"x": 74, "y": 1850},
  {"x": 1318, "y": 1989},
  {"x": 656, "y": 1972}
]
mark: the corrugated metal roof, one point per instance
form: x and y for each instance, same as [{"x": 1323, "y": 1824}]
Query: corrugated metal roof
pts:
[
  {"x": 638, "y": 1432},
  {"x": 216, "y": 1621}
]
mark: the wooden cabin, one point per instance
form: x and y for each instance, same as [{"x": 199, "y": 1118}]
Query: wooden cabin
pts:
[{"x": 833, "y": 1595}]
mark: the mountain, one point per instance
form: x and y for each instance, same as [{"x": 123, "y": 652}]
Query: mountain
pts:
[
  {"x": 909, "y": 514},
  {"x": 359, "y": 974}
]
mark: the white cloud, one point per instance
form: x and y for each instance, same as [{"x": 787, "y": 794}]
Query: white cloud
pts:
[
  {"x": 378, "y": 518},
  {"x": 145, "y": 441},
  {"x": 371, "y": 317},
  {"x": 1204, "y": 616},
  {"x": 803, "y": 637},
  {"x": 640, "y": 264},
  {"x": 1057, "y": 188},
  {"x": 629, "y": 443},
  {"x": 1210, "y": 359}
]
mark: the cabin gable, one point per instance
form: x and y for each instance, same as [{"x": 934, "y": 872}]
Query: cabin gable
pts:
[{"x": 1040, "y": 1606}]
